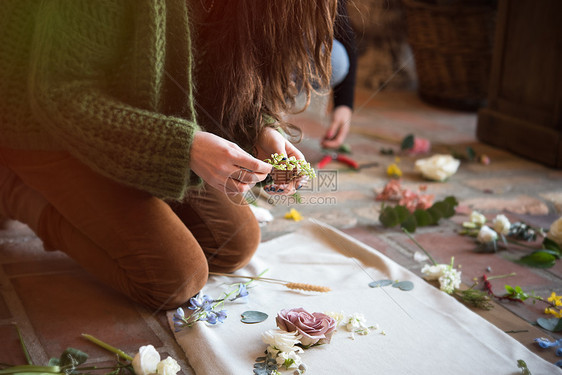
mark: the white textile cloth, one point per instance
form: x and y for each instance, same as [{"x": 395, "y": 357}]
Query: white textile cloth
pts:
[{"x": 427, "y": 331}]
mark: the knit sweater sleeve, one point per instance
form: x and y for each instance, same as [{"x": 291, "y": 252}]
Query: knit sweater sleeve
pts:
[{"x": 83, "y": 94}]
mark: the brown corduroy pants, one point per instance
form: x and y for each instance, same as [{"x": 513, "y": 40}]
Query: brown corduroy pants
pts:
[{"x": 156, "y": 253}]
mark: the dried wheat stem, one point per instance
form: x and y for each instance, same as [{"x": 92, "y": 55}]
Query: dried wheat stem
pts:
[
  {"x": 290, "y": 285},
  {"x": 308, "y": 287}
]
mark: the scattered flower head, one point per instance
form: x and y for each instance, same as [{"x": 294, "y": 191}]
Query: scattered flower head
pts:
[
  {"x": 438, "y": 167},
  {"x": 433, "y": 272},
  {"x": 405, "y": 197},
  {"x": 501, "y": 225},
  {"x": 477, "y": 218},
  {"x": 486, "y": 235},
  {"x": 357, "y": 323},
  {"x": 282, "y": 341},
  {"x": 449, "y": 277},
  {"x": 293, "y": 215},
  {"x": 169, "y": 366},
  {"x": 147, "y": 361},
  {"x": 420, "y": 146},
  {"x": 393, "y": 170},
  {"x": 450, "y": 280},
  {"x": 555, "y": 231}
]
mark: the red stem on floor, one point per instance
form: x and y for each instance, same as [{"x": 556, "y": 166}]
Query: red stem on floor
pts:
[{"x": 488, "y": 287}]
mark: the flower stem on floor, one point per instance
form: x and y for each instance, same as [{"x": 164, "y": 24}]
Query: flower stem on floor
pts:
[
  {"x": 108, "y": 347},
  {"x": 420, "y": 246}
]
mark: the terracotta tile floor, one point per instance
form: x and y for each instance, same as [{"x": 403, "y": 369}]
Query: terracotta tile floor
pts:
[{"x": 53, "y": 301}]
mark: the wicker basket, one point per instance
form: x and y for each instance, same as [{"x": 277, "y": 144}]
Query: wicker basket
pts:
[{"x": 452, "y": 44}]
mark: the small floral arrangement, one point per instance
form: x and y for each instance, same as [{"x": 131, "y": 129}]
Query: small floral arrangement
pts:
[
  {"x": 298, "y": 330},
  {"x": 286, "y": 169},
  {"x": 437, "y": 167},
  {"x": 517, "y": 233}
]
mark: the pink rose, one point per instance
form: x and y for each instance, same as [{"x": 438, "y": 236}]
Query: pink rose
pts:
[
  {"x": 315, "y": 328},
  {"x": 421, "y": 146}
]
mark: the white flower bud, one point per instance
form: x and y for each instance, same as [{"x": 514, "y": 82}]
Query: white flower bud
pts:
[
  {"x": 501, "y": 224},
  {"x": 486, "y": 235}
]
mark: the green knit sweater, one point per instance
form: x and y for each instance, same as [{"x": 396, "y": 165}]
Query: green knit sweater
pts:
[{"x": 110, "y": 81}]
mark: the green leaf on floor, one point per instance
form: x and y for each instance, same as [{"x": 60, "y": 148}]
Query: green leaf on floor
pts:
[
  {"x": 407, "y": 142},
  {"x": 550, "y": 324},
  {"x": 72, "y": 357},
  {"x": 392, "y": 216},
  {"x": 252, "y": 317},
  {"x": 400, "y": 215},
  {"x": 409, "y": 223},
  {"x": 344, "y": 149},
  {"x": 470, "y": 153},
  {"x": 552, "y": 247},
  {"x": 538, "y": 259},
  {"x": 423, "y": 218}
]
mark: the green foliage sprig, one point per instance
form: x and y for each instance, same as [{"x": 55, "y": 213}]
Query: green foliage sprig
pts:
[{"x": 391, "y": 216}]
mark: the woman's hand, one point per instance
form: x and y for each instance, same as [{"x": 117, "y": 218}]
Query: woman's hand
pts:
[
  {"x": 224, "y": 165},
  {"x": 270, "y": 142},
  {"x": 339, "y": 127}
]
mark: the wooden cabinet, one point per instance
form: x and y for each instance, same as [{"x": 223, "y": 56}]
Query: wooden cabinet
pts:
[{"x": 524, "y": 111}]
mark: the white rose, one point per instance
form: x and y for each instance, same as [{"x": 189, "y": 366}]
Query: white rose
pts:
[
  {"x": 433, "y": 272},
  {"x": 486, "y": 235},
  {"x": 169, "y": 366},
  {"x": 477, "y": 218},
  {"x": 501, "y": 224},
  {"x": 555, "y": 231},
  {"x": 281, "y": 340},
  {"x": 146, "y": 360},
  {"x": 438, "y": 167}
]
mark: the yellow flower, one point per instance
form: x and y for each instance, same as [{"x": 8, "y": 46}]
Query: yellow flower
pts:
[
  {"x": 557, "y": 300},
  {"x": 393, "y": 170},
  {"x": 293, "y": 215},
  {"x": 550, "y": 310}
]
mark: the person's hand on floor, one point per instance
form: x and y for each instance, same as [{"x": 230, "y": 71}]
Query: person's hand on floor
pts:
[
  {"x": 224, "y": 165},
  {"x": 339, "y": 127}
]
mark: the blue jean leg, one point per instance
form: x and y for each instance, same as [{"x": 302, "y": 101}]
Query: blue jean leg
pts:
[{"x": 340, "y": 63}]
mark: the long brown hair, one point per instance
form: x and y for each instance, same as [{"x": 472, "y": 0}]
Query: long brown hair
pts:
[{"x": 253, "y": 56}]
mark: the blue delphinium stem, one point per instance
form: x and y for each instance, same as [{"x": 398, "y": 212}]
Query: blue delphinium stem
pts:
[{"x": 206, "y": 309}]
